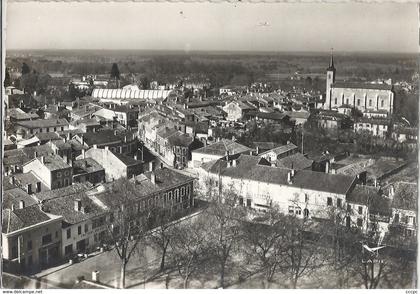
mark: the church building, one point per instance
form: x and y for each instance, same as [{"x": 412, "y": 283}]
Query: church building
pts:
[{"x": 363, "y": 96}]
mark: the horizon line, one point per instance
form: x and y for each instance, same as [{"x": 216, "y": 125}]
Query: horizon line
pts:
[{"x": 217, "y": 51}]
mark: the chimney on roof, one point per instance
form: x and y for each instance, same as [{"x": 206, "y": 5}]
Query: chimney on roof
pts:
[
  {"x": 77, "y": 205},
  {"x": 153, "y": 178},
  {"x": 227, "y": 154},
  {"x": 161, "y": 165},
  {"x": 94, "y": 129},
  {"x": 289, "y": 178},
  {"x": 135, "y": 156},
  {"x": 35, "y": 154},
  {"x": 327, "y": 167},
  {"x": 42, "y": 158},
  {"x": 151, "y": 166},
  {"x": 12, "y": 207},
  {"x": 273, "y": 164},
  {"x": 82, "y": 139},
  {"x": 12, "y": 180},
  {"x": 120, "y": 149},
  {"x": 83, "y": 154},
  {"x": 115, "y": 132},
  {"x": 68, "y": 136},
  {"x": 21, "y": 204},
  {"x": 106, "y": 147}
]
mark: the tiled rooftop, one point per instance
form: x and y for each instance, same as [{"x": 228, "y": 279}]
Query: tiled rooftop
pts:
[
  {"x": 76, "y": 188},
  {"x": 281, "y": 149},
  {"x": 43, "y": 123},
  {"x": 248, "y": 167},
  {"x": 21, "y": 218},
  {"x": 14, "y": 196},
  {"x": 87, "y": 165},
  {"x": 297, "y": 161},
  {"x": 220, "y": 148}
]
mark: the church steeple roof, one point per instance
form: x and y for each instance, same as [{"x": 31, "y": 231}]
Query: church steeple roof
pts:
[{"x": 331, "y": 67}]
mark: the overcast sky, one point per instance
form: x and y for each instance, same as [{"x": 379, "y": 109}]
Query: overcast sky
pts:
[{"x": 210, "y": 26}]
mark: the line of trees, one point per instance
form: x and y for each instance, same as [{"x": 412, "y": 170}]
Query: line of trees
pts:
[{"x": 225, "y": 242}]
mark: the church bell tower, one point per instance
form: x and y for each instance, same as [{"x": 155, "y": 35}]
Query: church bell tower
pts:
[{"x": 330, "y": 81}]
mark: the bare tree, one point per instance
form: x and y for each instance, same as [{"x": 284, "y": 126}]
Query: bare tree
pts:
[
  {"x": 224, "y": 217},
  {"x": 344, "y": 246},
  {"x": 266, "y": 242},
  {"x": 189, "y": 246},
  {"x": 128, "y": 226},
  {"x": 305, "y": 250},
  {"x": 162, "y": 233}
]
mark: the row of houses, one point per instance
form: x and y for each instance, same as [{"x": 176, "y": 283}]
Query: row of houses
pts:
[{"x": 43, "y": 229}]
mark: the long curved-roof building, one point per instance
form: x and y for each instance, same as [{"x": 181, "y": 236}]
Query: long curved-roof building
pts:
[{"x": 130, "y": 94}]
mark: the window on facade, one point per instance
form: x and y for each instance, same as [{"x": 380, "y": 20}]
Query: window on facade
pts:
[
  {"x": 397, "y": 218},
  {"x": 79, "y": 230},
  {"x": 409, "y": 233},
  {"x": 410, "y": 220},
  {"x": 58, "y": 174},
  {"x": 348, "y": 207},
  {"x": 68, "y": 249},
  {"x": 359, "y": 222},
  {"x": 329, "y": 201},
  {"x": 335, "y": 101},
  {"x": 241, "y": 201},
  {"x": 30, "y": 245},
  {"x": 248, "y": 202},
  {"x": 170, "y": 195},
  {"x": 306, "y": 213},
  {"x": 46, "y": 239},
  {"x": 182, "y": 191},
  {"x": 360, "y": 209},
  {"x": 370, "y": 102},
  {"x": 111, "y": 218},
  {"x": 339, "y": 202},
  {"x": 14, "y": 252},
  {"x": 298, "y": 211},
  {"x": 306, "y": 198},
  {"x": 291, "y": 209},
  {"x": 86, "y": 228},
  {"x": 68, "y": 233},
  {"x": 382, "y": 103},
  {"x": 358, "y": 102}
]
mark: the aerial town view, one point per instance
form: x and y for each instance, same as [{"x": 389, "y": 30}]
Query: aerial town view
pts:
[{"x": 210, "y": 146}]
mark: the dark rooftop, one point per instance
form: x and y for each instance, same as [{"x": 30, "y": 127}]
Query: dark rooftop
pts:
[
  {"x": 14, "y": 196},
  {"x": 21, "y": 218},
  {"x": 76, "y": 188},
  {"x": 42, "y": 123},
  {"x": 220, "y": 148},
  {"x": 362, "y": 86},
  {"x": 297, "y": 161}
]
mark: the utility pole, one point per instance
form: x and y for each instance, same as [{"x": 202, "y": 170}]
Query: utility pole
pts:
[{"x": 302, "y": 141}]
